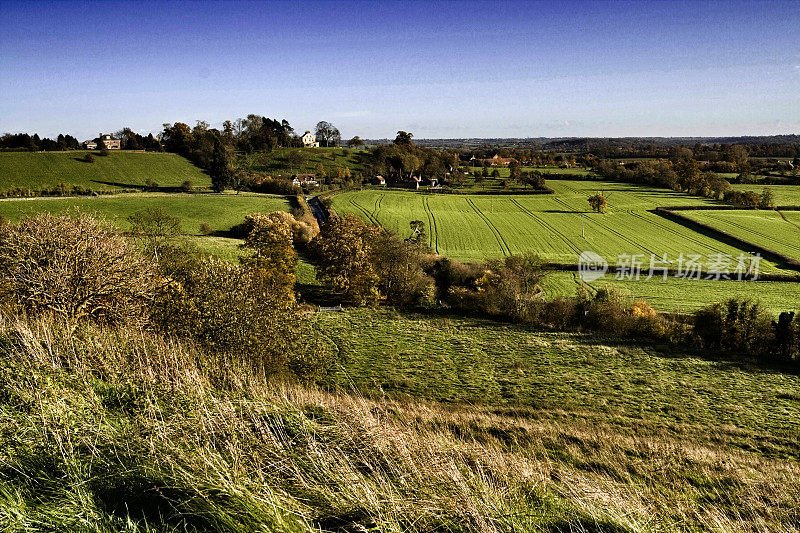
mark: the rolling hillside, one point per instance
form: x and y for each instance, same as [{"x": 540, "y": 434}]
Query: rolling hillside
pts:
[{"x": 117, "y": 170}]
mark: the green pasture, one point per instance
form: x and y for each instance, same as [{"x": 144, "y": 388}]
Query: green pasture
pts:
[
  {"x": 778, "y": 231},
  {"x": 557, "y": 227},
  {"x": 119, "y": 169},
  {"x": 683, "y": 295},
  {"x": 220, "y": 211},
  {"x": 278, "y": 162},
  {"x": 553, "y": 374}
]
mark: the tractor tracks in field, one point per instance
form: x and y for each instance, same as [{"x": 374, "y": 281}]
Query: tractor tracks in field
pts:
[
  {"x": 547, "y": 226},
  {"x": 789, "y": 221},
  {"x": 673, "y": 231},
  {"x": 363, "y": 210},
  {"x": 497, "y": 235},
  {"x": 433, "y": 241}
]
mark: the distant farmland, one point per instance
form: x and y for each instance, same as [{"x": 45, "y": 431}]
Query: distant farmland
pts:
[
  {"x": 115, "y": 171},
  {"x": 478, "y": 227}
]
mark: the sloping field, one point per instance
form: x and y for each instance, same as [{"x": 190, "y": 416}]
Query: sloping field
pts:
[
  {"x": 777, "y": 231},
  {"x": 684, "y": 295},
  {"x": 477, "y": 227},
  {"x": 117, "y": 170},
  {"x": 220, "y": 211},
  {"x": 478, "y": 361}
]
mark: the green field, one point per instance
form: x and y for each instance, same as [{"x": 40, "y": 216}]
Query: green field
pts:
[
  {"x": 683, "y": 295},
  {"x": 784, "y": 194},
  {"x": 221, "y": 211},
  {"x": 117, "y": 170},
  {"x": 774, "y": 230},
  {"x": 477, "y": 227},
  {"x": 483, "y": 362}
]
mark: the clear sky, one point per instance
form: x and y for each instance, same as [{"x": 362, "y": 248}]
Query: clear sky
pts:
[{"x": 437, "y": 69}]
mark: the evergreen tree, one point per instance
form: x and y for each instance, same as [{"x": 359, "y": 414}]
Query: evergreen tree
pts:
[{"x": 220, "y": 169}]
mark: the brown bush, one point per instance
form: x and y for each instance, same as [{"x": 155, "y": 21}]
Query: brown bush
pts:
[{"x": 75, "y": 266}]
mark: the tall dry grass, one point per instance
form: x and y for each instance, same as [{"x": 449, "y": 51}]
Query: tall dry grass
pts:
[{"x": 122, "y": 430}]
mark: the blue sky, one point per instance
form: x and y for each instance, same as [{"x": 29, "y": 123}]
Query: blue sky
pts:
[{"x": 437, "y": 69}]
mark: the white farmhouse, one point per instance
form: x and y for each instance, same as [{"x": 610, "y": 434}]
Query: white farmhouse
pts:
[{"x": 309, "y": 140}]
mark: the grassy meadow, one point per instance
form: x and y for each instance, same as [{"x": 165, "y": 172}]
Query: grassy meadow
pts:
[
  {"x": 472, "y": 228},
  {"x": 277, "y": 162},
  {"x": 580, "y": 376},
  {"x": 450, "y": 424},
  {"x": 118, "y": 170}
]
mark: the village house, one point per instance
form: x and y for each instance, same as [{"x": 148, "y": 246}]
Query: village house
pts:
[
  {"x": 304, "y": 180},
  {"x": 494, "y": 161},
  {"x": 89, "y": 145},
  {"x": 379, "y": 180},
  {"x": 309, "y": 140},
  {"x": 111, "y": 142}
]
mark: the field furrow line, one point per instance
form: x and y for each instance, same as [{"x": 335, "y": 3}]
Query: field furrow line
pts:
[
  {"x": 363, "y": 210},
  {"x": 789, "y": 221},
  {"x": 433, "y": 240},
  {"x": 500, "y": 240},
  {"x": 546, "y": 225},
  {"x": 755, "y": 232},
  {"x": 686, "y": 236},
  {"x": 621, "y": 236}
]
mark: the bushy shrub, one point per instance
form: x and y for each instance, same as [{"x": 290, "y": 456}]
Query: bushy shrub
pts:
[
  {"x": 734, "y": 326},
  {"x": 303, "y": 230},
  {"x": 247, "y": 309},
  {"x": 206, "y": 229},
  {"x": 74, "y": 266}
]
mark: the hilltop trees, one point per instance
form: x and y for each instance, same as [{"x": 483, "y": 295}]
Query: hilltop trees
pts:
[
  {"x": 355, "y": 141},
  {"x": 403, "y": 138},
  {"x": 327, "y": 134}
]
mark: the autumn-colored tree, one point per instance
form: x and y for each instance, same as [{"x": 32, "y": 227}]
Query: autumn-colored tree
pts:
[
  {"x": 273, "y": 258},
  {"x": 343, "y": 249},
  {"x": 598, "y": 202}
]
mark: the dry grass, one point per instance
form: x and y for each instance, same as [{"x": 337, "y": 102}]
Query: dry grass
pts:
[{"x": 120, "y": 430}]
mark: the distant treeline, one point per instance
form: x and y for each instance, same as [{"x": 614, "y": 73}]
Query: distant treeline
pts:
[{"x": 758, "y": 146}]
